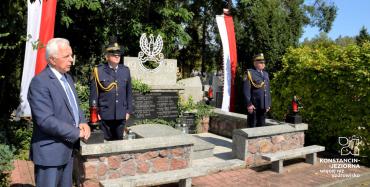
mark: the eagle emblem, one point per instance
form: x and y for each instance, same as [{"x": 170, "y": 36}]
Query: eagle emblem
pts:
[{"x": 151, "y": 50}]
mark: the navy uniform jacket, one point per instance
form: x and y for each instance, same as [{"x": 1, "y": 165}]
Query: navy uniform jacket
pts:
[
  {"x": 54, "y": 134},
  {"x": 115, "y": 104},
  {"x": 259, "y": 97}
]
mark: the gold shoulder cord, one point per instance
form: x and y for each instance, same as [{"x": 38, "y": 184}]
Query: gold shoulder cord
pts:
[
  {"x": 253, "y": 83},
  {"x": 97, "y": 82}
]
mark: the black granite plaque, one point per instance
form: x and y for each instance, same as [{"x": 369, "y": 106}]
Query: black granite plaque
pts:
[
  {"x": 154, "y": 105},
  {"x": 97, "y": 135},
  {"x": 219, "y": 97},
  {"x": 293, "y": 118}
]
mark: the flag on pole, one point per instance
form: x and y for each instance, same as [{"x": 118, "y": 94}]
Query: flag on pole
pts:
[
  {"x": 226, "y": 27},
  {"x": 40, "y": 29}
]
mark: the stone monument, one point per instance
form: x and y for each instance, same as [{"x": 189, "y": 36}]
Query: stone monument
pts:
[{"x": 151, "y": 68}]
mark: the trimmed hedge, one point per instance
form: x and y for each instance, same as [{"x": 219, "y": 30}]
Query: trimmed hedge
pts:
[{"x": 334, "y": 84}]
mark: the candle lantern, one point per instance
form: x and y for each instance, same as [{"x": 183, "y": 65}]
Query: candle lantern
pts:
[
  {"x": 293, "y": 116},
  {"x": 97, "y": 135}
]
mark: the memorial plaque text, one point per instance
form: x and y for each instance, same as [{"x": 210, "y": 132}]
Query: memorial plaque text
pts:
[{"x": 154, "y": 105}]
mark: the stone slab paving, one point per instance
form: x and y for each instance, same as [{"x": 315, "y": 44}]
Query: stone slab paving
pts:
[
  {"x": 296, "y": 171},
  {"x": 297, "y": 174},
  {"x": 223, "y": 146},
  {"x": 202, "y": 149}
]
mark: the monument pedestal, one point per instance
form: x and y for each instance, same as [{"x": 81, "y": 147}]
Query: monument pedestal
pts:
[
  {"x": 293, "y": 118},
  {"x": 97, "y": 136}
]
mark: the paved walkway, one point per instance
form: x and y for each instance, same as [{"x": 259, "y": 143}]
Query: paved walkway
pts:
[
  {"x": 297, "y": 174},
  {"x": 296, "y": 171},
  {"x": 233, "y": 174}
]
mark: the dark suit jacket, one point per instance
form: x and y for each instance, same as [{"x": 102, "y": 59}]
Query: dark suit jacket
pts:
[
  {"x": 259, "y": 97},
  {"x": 113, "y": 105},
  {"x": 53, "y": 135}
]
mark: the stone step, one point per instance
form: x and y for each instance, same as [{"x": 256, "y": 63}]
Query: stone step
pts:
[
  {"x": 208, "y": 166},
  {"x": 201, "y": 149},
  {"x": 151, "y": 179}
]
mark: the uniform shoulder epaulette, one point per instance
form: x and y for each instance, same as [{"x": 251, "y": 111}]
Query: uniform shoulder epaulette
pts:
[
  {"x": 97, "y": 80},
  {"x": 249, "y": 77},
  {"x": 246, "y": 74}
]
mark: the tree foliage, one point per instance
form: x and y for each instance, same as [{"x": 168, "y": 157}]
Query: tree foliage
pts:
[
  {"x": 320, "y": 39},
  {"x": 363, "y": 36},
  {"x": 333, "y": 82},
  {"x": 322, "y": 14},
  {"x": 345, "y": 41},
  {"x": 271, "y": 26},
  {"x": 125, "y": 19},
  {"x": 187, "y": 27},
  {"x": 12, "y": 39},
  {"x": 203, "y": 51}
]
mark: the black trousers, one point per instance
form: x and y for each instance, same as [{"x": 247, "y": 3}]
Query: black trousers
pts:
[
  {"x": 257, "y": 118},
  {"x": 113, "y": 129}
]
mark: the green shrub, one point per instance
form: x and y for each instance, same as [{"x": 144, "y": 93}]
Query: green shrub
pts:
[
  {"x": 6, "y": 164},
  {"x": 16, "y": 134},
  {"x": 83, "y": 92},
  {"x": 200, "y": 109},
  {"x": 157, "y": 121},
  {"x": 23, "y": 135},
  {"x": 139, "y": 86},
  {"x": 333, "y": 82}
]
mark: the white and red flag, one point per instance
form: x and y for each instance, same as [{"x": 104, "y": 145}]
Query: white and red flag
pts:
[
  {"x": 226, "y": 27},
  {"x": 40, "y": 29}
]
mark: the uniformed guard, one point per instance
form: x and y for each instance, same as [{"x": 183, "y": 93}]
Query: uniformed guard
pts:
[
  {"x": 257, "y": 92},
  {"x": 111, "y": 90}
]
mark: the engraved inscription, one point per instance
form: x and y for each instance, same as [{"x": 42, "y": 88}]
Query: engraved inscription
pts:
[{"x": 156, "y": 105}]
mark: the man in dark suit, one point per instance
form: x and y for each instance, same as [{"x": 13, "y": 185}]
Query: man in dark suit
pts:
[
  {"x": 111, "y": 91},
  {"x": 58, "y": 120},
  {"x": 257, "y": 92}
]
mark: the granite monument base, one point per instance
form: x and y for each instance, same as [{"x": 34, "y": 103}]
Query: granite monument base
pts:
[
  {"x": 293, "y": 118},
  {"x": 97, "y": 136}
]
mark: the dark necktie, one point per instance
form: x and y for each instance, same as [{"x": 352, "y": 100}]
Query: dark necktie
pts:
[{"x": 71, "y": 100}]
